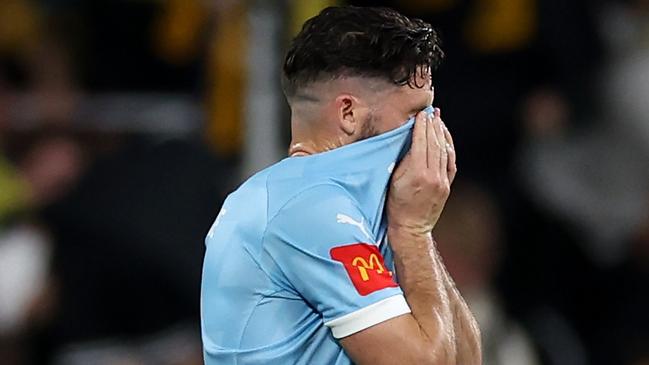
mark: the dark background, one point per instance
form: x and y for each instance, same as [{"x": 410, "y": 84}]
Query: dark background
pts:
[{"x": 125, "y": 123}]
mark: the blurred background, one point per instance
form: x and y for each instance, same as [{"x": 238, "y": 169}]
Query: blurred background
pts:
[{"x": 125, "y": 123}]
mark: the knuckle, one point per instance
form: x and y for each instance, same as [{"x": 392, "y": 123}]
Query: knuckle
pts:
[
  {"x": 441, "y": 187},
  {"x": 433, "y": 186},
  {"x": 446, "y": 190},
  {"x": 430, "y": 180}
]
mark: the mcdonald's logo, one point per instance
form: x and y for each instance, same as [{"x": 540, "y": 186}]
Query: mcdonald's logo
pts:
[
  {"x": 365, "y": 267},
  {"x": 372, "y": 264}
]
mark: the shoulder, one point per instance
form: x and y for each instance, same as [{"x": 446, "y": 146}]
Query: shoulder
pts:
[
  {"x": 316, "y": 202},
  {"x": 319, "y": 218}
]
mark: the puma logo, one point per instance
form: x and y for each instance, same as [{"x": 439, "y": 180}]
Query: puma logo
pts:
[{"x": 345, "y": 219}]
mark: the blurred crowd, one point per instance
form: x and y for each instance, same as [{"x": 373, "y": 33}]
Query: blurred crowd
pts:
[{"x": 124, "y": 124}]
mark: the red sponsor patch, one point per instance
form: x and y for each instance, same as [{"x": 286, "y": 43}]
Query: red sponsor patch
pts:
[{"x": 365, "y": 267}]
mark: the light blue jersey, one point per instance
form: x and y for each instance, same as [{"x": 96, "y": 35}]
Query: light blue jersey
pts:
[{"x": 297, "y": 258}]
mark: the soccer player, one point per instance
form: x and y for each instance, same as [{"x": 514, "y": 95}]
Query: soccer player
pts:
[{"x": 327, "y": 257}]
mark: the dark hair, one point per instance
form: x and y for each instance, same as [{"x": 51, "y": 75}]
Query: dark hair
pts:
[{"x": 360, "y": 41}]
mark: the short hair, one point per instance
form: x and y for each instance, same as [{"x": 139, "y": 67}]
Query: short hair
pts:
[{"x": 360, "y": 41}]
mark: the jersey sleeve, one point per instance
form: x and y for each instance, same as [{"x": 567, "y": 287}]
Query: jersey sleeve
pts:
[{"x": 321, "y": 246}]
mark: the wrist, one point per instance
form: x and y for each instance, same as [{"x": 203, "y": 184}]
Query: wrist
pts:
[
  {"x": 408, "y": 230},
  {"x": 400, "y": 236}
]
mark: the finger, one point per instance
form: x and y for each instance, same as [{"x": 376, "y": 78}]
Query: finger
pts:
[
  {"x": 443, "y": 151},
  {"x": 433, "y": 151},
  {"x": 441, "y": 139},
  {"x": 452, "y": 158},
  {"x": 419, "y": 147}
]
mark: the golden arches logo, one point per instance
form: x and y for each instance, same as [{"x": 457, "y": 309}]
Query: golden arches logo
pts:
[{"x": 372, "y": 264}]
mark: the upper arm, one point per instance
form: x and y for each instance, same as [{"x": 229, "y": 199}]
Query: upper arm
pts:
[
  {"x": 322, "y": 247},
  {"x": 395, "y": 341}
]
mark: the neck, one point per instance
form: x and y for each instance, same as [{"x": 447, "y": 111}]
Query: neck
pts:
[
  {"x": 297, "y": 149},
  {"x": 309, "y": 137},
  {"x": 305, "y": 146}
]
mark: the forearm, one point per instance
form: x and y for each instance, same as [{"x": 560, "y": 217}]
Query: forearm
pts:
[
  {"x": 467, "y": 332},
  {"x": 418, "y": 191},
  {"x": 423, "y": 282}
]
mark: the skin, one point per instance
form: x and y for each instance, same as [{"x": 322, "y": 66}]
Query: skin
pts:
[{"x": 325, "y": 115}]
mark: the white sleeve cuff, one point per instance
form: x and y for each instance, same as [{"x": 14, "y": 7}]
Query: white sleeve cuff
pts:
[{"x": 369, "y": 316}]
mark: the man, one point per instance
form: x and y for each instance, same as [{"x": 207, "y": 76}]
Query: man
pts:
[{"x": 303, "y": 263}]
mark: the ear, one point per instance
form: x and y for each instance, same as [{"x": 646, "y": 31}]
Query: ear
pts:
[{"x": 347, "y": 106}]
